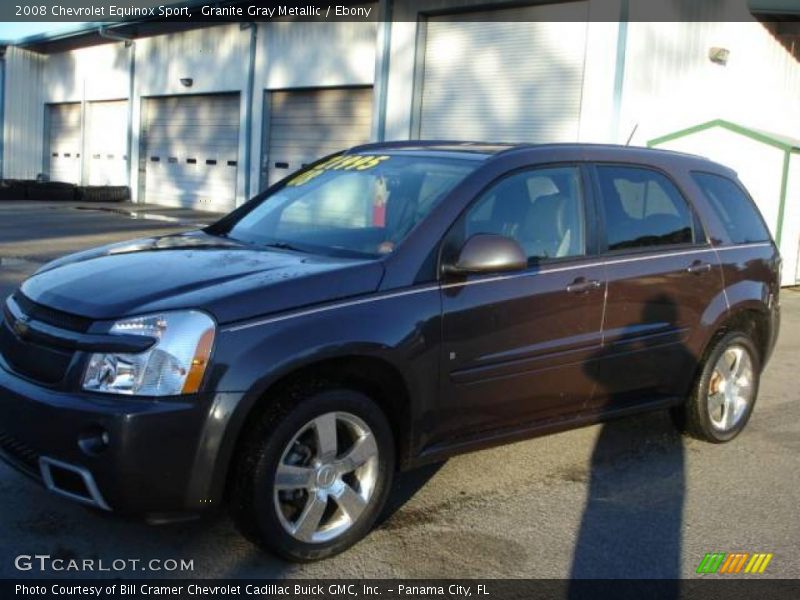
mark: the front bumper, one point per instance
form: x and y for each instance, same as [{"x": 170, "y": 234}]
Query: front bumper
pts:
[{"x": 160, "y": 456}]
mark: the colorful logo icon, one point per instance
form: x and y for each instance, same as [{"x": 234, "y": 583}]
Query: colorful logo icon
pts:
[{"x": 723, "y": 563}]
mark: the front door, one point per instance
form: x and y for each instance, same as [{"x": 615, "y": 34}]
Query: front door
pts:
[{"x": 514, "y": 344}]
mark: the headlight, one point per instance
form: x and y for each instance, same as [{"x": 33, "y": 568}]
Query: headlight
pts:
[{"x": 174, "y": 365}]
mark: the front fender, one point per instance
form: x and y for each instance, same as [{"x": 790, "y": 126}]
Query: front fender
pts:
[{"x": 403, "y": 329}]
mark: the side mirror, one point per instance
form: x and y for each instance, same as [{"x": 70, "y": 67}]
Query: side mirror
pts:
[{"x": 488, "y": 253}]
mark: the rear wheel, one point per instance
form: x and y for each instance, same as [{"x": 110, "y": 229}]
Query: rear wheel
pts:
[
  {"x": 311, "y": 480},
  {"x": 725, "y": 393}
]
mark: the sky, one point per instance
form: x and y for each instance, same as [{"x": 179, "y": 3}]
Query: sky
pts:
[{"x": 14, "y": 31}]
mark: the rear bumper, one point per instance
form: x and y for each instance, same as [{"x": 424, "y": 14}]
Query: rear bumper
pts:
[{"x": 132, "y": 456}]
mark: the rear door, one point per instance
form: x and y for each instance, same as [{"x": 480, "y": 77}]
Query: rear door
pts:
[
  {"x": 662, "y": 274},
  {"x": 515, "y": 344}
]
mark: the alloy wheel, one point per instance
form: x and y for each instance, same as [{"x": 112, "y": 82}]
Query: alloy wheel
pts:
[
  {"x": 730, "y": 388},
  {"x": 326, "y": 477}
]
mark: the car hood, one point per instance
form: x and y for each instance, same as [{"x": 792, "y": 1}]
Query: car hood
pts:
[{"x": 231, "y": 280}]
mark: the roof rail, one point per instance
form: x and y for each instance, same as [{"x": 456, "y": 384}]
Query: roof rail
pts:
[{"x": 425, "y": 144}]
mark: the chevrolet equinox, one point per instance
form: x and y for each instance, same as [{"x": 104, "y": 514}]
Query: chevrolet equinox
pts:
[{"x": 385, "y": 307}]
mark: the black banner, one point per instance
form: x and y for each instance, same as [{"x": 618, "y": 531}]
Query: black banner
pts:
[
  {"x": 417, "y": 589},
  {"x": 200, "y": 11}
]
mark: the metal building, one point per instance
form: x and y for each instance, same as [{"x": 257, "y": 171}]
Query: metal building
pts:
[{"x": 207, "y": 115}]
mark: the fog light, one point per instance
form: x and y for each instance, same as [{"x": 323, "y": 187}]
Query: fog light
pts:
[{"x": 94, "y": 440}]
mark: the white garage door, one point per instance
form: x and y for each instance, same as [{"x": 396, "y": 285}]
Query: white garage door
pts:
[
  {"x": 64, "y": 124},
  {"x": 190, "y": 150},
  {"x": 308, "y": 124},
  {"x": 511, "y": 75},
  {"x": 106, "y": 139}
]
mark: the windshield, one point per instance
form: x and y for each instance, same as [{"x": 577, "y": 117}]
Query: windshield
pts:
[{"x": 352, "y": 205}]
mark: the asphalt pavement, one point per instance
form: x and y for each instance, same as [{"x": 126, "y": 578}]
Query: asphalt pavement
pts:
[{"x": 629, "y": 498}]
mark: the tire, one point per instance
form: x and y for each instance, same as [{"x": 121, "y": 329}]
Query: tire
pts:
[
  {"x": 720, "y": 417},
  {"x": 317, "y": 481},
  {"x": 104, "y": 193},
  {"x": 51, "y": 191},
  {"x": 9, "y": 193},
  {"x": 12, "y": 189}
]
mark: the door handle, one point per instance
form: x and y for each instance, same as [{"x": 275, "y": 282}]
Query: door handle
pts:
[
  {"x": 698, "y": 268},
  {"x": 582, "y": 285}
]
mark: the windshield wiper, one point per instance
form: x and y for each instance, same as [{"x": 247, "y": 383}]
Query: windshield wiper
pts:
[{"x": 285, "y": 246}]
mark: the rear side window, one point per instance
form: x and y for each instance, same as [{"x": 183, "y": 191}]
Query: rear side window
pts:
[
  {"x": 643, "y": 208},
  {"x": 738, "y": 213}
]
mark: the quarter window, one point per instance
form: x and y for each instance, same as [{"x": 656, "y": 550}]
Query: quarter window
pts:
[
  {"x": 643, "y": 208},
  {"x": 541, "y": 209},
  {"x": 738, "y": 214}
]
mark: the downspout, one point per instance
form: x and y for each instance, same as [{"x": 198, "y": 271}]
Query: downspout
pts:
[
  {"x": 382, "y": 72},
  {"x": 619, "y": 74},
  {"x": 2, "y": 108},
  {"x": 82, "y": 163},
  {"x": 248, "y": 117},
  {"x": 131, "y": 46}
]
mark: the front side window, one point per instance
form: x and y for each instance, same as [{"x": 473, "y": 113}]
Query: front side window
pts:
[
  {"x": 541, "y": 209},
  {"x": 643, "y": 208},
  {"x": 352, "y": 205},
  {"x": 738, "y": 214}
]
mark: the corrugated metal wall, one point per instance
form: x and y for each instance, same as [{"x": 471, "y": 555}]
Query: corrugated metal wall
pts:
[
  {"x": 98, "y": 72},
  {"x": 536, "y": 99},
  {"x": 215, "y": 58},
  {"x": 300, "y": 54},
  {"x": 670, "y": 83},
  {"x": 23, "y": 133},
  {"x": 406, "y": 63}
]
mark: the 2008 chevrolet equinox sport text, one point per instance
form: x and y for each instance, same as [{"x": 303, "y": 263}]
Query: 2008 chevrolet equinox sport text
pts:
[{"x": 385, "y": 307}]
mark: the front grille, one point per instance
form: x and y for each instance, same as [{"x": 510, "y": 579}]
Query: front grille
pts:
[
  {"x": 23, "y": 456},
  {"x": 33, "y": 360},
  {"x": 36, "y": 362},
  {"x": 51, "y": 316}
]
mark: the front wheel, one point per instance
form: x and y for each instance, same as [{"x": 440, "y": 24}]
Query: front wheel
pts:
[
  {"x": 725, "y": 393},
  {"x": 312, "y": 480}
]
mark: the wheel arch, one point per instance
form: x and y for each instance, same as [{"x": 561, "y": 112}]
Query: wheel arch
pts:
[
  {"x": 373, "y": 376},
  {"x": 750, "y": 318}
]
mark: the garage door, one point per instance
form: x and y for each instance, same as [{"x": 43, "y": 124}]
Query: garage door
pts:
[
  {"x": 190, "y": 151},
  {"x": 64, "y": 131},
  {"x": 510, "y": 75},
  {"x": 306, "y": 125},
  {"x": 106, "y": 142}
]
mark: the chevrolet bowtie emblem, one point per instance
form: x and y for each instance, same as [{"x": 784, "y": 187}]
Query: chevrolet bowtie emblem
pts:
[{"x": 21, "y": 327}]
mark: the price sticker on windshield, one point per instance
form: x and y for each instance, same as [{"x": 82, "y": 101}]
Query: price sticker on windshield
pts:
[{"x": 343, "y": 162}]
